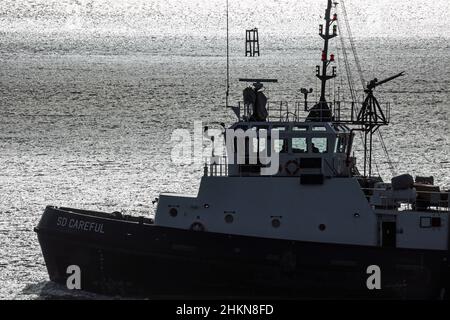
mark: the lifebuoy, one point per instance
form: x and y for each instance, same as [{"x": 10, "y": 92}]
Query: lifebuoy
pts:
[
  {"x": 289, "y": 171},
  {"x": 197, "y": 226}
]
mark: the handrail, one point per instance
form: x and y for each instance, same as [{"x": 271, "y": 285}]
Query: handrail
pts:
[
  {"x": 283, "y": 111},
  {"x": 216, "y": 166},
  {"x": 423, "y": 200}
]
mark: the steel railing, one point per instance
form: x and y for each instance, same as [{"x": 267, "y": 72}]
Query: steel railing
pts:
[
  {"x": 424, "y": 200},
  {"x": 283, "y": 111},
  {"x": 216, "y": 166}
]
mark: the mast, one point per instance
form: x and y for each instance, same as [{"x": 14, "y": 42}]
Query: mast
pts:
[
  {"x": 371, "y": 117},
  {"x": 323, "y": 76}
]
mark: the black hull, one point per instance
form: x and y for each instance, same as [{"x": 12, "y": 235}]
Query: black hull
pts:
[{"x": 131, "y": 256}]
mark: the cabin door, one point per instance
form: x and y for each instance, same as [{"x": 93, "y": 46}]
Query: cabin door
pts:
[{"x": 389, "y": 234}]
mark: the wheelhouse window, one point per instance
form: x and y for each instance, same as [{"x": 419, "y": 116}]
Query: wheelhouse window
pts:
[
  {"x": 319, "y": 128},
  {"x": 341, "y": 143},
  {"x": 281, "y": 145},
  {"x": 300, "y": 128},
  {"x": 299, "y": 145},
  {"x": 260, "y": 143},
  {"x": 319, "y": 145},
  {"x": 279, "y": 128}
]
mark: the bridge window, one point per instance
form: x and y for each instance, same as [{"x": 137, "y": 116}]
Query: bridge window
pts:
[
  {"x": 281, "y": 145},
  {"x": 300, "y": 128},
  {"x": 260, "y": 142},
  {"x": 299, "y": 145},
  {"x": 279, "y": 128},
  {"x": 319, "y": 145},
  {"x": 319, "y": 128}
]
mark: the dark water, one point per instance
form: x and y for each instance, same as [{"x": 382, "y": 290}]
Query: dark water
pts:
[{"x": 86, "y": 117}]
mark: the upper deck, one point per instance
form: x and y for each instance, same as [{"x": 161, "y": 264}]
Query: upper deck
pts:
[
  {"x": 344, "y": 112},
  {"x": 321, "y": 149}
]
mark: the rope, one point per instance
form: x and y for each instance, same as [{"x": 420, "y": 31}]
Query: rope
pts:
[
  {"x": 352, "y": 44},
  {"x": 348, "y": 72},
  {"x": 390, "y": 163},
  {"x": 346, "y": 63},
  {"x": 361, "y": 78}
]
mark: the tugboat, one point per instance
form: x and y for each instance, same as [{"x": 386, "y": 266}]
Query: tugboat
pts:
[{"x": 312, "y": 227}]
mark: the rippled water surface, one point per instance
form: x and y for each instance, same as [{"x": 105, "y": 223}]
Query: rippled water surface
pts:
[{"x": 90, "y": 92}]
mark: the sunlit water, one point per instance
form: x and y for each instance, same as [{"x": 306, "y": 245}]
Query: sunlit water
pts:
[{"x": 90, "y": 92}]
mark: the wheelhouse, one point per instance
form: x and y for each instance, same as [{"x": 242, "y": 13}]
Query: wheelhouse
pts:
[{"x": 301, "y": 147}]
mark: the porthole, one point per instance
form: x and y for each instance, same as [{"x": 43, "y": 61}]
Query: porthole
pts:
[
  {"x": 206, "y": 206},
  {"x": 173, "y": 212},
  {"x": 229, "y": 218},
  {"x": 322, "y": 227},
  {"x": 276, "y": 223}
]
